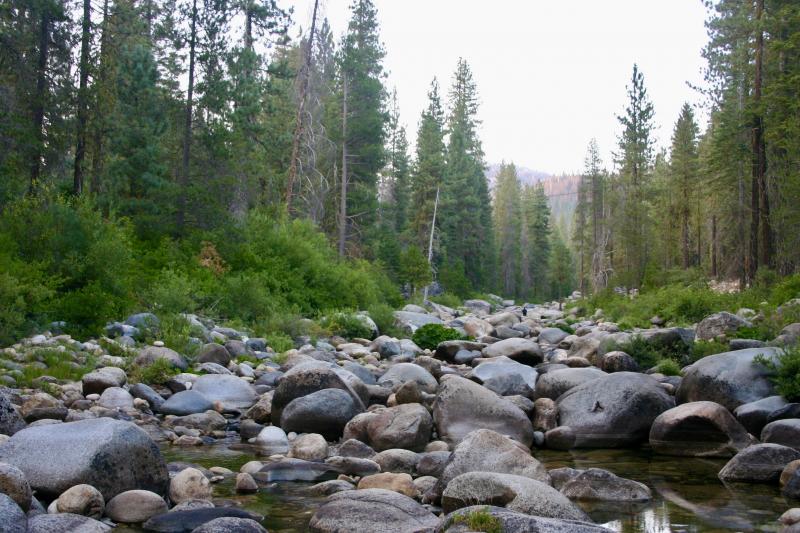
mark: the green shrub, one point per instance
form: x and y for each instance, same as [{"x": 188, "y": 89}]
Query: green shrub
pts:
[
  {"x": 116, "y": 349},
  {"x": 668, "y": 367},
  {"x": 383, "y": 316},
  {"x": 279, "y": 342},
  {"x": 702, "y": 349},
  {"x": 786, "y": 372},
  {"x": 158, "y": 372},
  {"x": 480, "y": 520},
  {"x": 430, "y": 335},
  {"x": 347, "y": 325},
  {"x": 62, "y": 365},
  {"x": 448, "y": 299}
]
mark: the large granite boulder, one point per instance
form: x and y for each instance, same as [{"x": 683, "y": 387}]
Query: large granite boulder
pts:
[
  {"x": 729, "y": 379},
  {"x": 611, "y": 411},
  {"x": 186, "y": 402},
  {"x": 718, "y": 324},
  {"x": 515, "y": 493},
  {"x": 411, "y": 322},
  {"x": 761, "y": 463},
  {"x": 554, "y": 384},
  {"x": 232, "y": 392},
  {"x": 402, "y": 373},
  {"x": 463, "y": 406},
  {"x": 699, "y": 429},
  {"x": 522, "y": 350},
  {"x": 786, "y": 432},
  {"x": 596, "y": 484},
  {"x": 147, "y": 356},
  {"x": 304, "y": 379},
  {"x": 512, "y": 522},
  {"x": 405, "y": 426},
  {"x": 213, "y": 353},
  {"x": 503, "y": 367},
  {"x": 484, "y": 450},
  {"x": 754, "y": 415},
  {"x": 111, "y": 455},
  {"x": 375, "y": 510},
  {"x": 326, "y": 412}
]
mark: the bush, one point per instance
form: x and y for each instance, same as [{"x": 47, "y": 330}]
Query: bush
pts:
[
  {"x": 430, "y": 335},
  {"x": 279, "y": 342},
  {"x": 383, "y": 316},
  {"x": 480, "y": 520},
  {"x": 347, "y": 325},
  {"x": 786, "y": 372},
  {"x": 448, "y": 299},
  {"x": 58, "y": 364},
  {"x": 702, "y": 349},
  {"x": 158, "y": 372},
  {"x": 668, "y": 367}
]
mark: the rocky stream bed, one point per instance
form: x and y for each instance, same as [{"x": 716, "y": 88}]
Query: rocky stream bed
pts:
[{"x": 538, "y": 424}]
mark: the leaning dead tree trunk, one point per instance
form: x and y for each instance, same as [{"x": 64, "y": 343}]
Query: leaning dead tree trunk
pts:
[
  {"x": 430, "y": 241},
  {"x": 305, "y": 75}
]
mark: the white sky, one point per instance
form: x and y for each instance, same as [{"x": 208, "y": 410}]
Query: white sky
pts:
[{"x": 551, "y": 74}]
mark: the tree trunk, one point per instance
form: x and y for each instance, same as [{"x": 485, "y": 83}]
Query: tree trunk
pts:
[
  {"x": 83, "y": 100},
  {"x": 187, "y": 127},
  {"x": 685, "y": 234},
  {"x": 102, "y": 84},
  {"x": 714, "y": 246},
  {"x": 38, "y": 103},
  {"x": 343, "y": 191}
]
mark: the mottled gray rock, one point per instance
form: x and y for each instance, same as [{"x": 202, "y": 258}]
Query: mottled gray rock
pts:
[
  {"x": 448, "y": 350},
  {"x": 13, "y": 518},
  {"x": 187, "y": 521},
  {"x": 596, "y": 484},
  {"x": 753, "y": 416},
  {"x": 729, "y": 379},
  {"x": 14, "y": 485},
  {"x": 613, "y": 410},
  {"x": 515, "y": 493},
  {"x": 503, "y": 366},
  {"x": 97, "y": 381},
  {"x": 303, "y": 380},
  {"x": 462, "y": 406},
  {"x": 761, "y": 463},
  {"x": 411, "y": 322},
  {"x": 513, "y": 522},
  {"x": 110, "y": 455},
  {"x": 786, "y": 432},
  {"x": 147, "y": 356},
  {"x": 552, "y": 336},
  {"x": 718, "y": 324},
  {"x": 186, "y": 402},
  {"x": 700, "y": 429},
  {"x": 10, "y": 420},
  {"x": 375, "y": 510},
  {"x": 403, "y": 426},
  {"x": 135, "y": 506},
  {"x": 554, "y": 384},
  {"x": 230, "y": 525},
  {"x": 232, "y": 392},
  {"x": 189, "y": 484},
  {"x": 326, "y": 412},
  {"x": 145, "y": 392},
  {"x": 65, "y": 522},
  {"x": 521, "y": 350},
  {"x": 115, "y": 398},
  {"x": 404, "y": 372}
]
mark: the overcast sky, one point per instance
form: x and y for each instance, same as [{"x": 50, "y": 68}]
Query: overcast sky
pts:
[{"x": 551, "y": 75}]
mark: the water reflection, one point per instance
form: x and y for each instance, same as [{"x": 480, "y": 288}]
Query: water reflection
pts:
[{"x": 687, "y": 495}]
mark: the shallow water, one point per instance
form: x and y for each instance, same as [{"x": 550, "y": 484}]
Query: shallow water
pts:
[{"x": 688, "y": 496}]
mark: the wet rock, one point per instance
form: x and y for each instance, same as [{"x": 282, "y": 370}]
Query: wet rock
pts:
[
  {"x": 232, "y": 392},
  {"x": 401, "y": 483},
  {"x": 404, "y": 372},
  {"x": 65, "y": 522},
  {"x": 484, "y": 450},
  {"x": 761, "y": 463},
  {"x": 294, "y": 470},
  {"x": 554, "y": 384},
  {"x": 326, "y": 412},
  {"x": 462, "y": 406},
  {"x": 186, "y": 403},
  {"x": 403, "y": 426},
  {"x": 14, "y": 485},
  {"x": 187, "y": 521},
  {"x": 718, "y": 324},
  {"x": 700, "y": 429},
  {"x": 596, "y": 484},
  {"x": 189, "y": 484},
  {"x": 613, "y": 410},
  {"x": 786, "y": 432},
  {"x": 111, "y": 455},
  {"x": 520, "y": 350},
  {"x": 230, "y": 525},
  {"x": 376, "y": 510},
  {"x": 135, "y": 506},
  {"x": 515, "y": 493},
  {"x": 753, "y": 416},
  {"x": 512, "y": 522},
  {"x": 729, "y": 379}
]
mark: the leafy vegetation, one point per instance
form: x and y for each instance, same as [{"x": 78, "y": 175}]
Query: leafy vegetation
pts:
[
  {"x": 55, "y": 363},
  {"x": 786, "y": 372},
  {"x": 480, "y": 520},
  {"x": 668, "y": 367},
  {"x": 158, "y": 372},
  {"x": 430, "y": 335}
]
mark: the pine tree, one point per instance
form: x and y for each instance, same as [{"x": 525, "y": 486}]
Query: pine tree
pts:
[
  {"x": 684, "y": 169},
  {"x": 536, "y": 255},
  {"x": 507, "y": 227}
]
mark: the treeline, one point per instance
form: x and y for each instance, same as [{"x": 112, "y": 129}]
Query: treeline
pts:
[{"x": 722, "y": 203}]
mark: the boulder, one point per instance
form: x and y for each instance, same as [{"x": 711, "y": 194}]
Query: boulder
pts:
[
  {"x": 186, "y": 402},
  {"x": 272, "y": 440},
  {"x": 97, "y": 381},
  {"x": 207, "y": 423},
  {"x": 404, "y": 372},
  {"x": 617, "y": 361},
  {"x": 613, "y": 410},
  {"x": 303, "y": 380},
  {"x": 145, "y": 392},
  {"x": 355, "y": 448},
  {"x": 187, "y": 520},
  {"x": 397, "y": 460},
  {"x": 14, "y": 485},
  {"x": 295, "y": 470},
  {"x": 462, "y": 406},
  {"x": 309, "y": 447},
  {"x": 65, "y": 522},
  {"x": 411, "y": 322},
  {"x": 545, "y": 415},
  {"x": 508, "y": 521},
  {"x": 148, "y": 355},
  {"x": 403, "y": 426},
  {"x": 786, "y": 432},
  {"x": 502, "y": 367},
  {"x": 233, "y": 393},
  {"x": 448, "y": 350},
  {"x": 116, "y": 398},
  {"x": 401, "y": 483},
  {"x": 40, "y": 406},
  {"x": 189, "y": 484},
  {"x": 230, "y": 524},
  {"x": 135, "y": 506},
  {"x": 354, "y": 466},
  {"x": 521, "y": 350},
  {"x": 554, "y": 384},
  {"x": 730, "y": 379},
  {"x": 213, "y": 353},
  {"x": 596, "y": 484},
  {"x": 111, "y": 455},
  {"x": 753, "y": 416},
  {"x": 14, "y": 519},
  {"x": 552, "y": 336},
  {"x": 476, "y": 327},
  {"x": 83, "y": 500},
  {"x": 479, "y": 307},
  {"x": 10, "y": 420},
  {"x": 484, "y": 450},
  {"x": 375, "y": 510},
  {"x": 326, "y": 412},
  {"x": 698, "y": 429},
  {"x": 718, "y": 324},
  {"x": 761, "y": 463},
  {"x": 515, "y": 493}
]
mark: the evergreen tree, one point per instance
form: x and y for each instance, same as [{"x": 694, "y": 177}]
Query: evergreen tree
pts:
[
  {"x": 684, "y": 168},
  {"x": 507, "y": 227},
  {"x": 560, "y": 268},
  {"x": 536, "y": 255}
]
